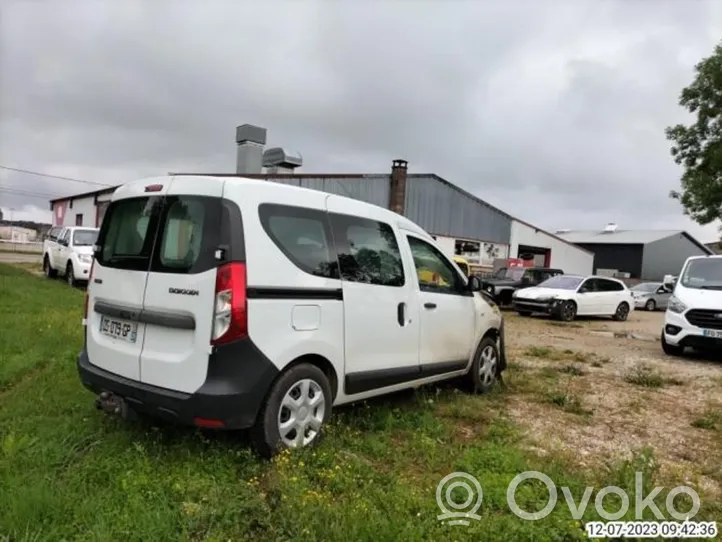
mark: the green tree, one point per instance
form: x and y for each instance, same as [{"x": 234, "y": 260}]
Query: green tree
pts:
[{"x": 698, "y": 147}]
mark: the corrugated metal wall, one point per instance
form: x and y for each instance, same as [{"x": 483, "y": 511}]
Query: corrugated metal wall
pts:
[
  {"x": 443, "y": 210},
  {"x": 667, "y": 256},
  {"x": 369, "y": 188}
]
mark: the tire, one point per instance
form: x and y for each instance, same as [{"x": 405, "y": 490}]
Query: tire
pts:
[
  {"x": 47, "y": 269},
  {"x": 523, "y": 313},
  {"x": 650, "y": 305},
  {"x": 568, "y": 311},
  {"x": 670, "y": 349},
  {"x": 484, "y": 370},
  {"x": 266, "y": 434},
  {"x": 70, "y": 275},
  {"x": 622, "y": 312}
]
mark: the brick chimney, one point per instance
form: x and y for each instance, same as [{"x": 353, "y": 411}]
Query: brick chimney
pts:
[{"x": 397, "y": 195}]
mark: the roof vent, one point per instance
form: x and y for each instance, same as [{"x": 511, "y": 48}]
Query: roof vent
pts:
[
  {"x": 564, "y": 230},
  {"x": 280, "y": 160},
  {"x": 610, "y": 228}
]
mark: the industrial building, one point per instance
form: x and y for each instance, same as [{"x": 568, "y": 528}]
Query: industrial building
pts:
[
  {"x": 462, "y": 223},
  {"x": 637, "y": 254}
]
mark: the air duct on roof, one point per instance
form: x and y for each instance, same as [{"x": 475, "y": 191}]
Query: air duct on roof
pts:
[
  {"x": 280, "y": 160},
  {"x": 610, "y": 228},
  {"x": 250, "y": 140}
]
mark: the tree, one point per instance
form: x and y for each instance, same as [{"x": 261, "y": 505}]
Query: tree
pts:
[{"x": 698, "y": 147}]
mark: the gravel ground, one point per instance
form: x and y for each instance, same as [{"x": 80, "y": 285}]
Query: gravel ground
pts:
[{"x": 602, "y": 390}]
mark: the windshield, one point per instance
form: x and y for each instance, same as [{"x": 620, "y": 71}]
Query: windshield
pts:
[
  {"x": 561, "y": 282},
  {"x": 646, "y": 287},
  {"x": 704, "y": 274},
  {"x": 84, "y": 238},
  {"x": 510, "y": 273}
]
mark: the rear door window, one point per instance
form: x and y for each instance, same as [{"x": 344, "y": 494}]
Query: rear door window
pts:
[
  {"x": 128, "y": 232},
  {"x": 189, "y": 234},
  {"x": 171, "y": 234}
]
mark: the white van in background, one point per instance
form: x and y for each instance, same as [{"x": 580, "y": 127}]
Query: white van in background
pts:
[
  {"x": 694, "y": 311},
  {"x": 236, "y": 303}
]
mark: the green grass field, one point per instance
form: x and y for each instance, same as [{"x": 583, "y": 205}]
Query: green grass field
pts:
[{"x": 69, "y": 472}]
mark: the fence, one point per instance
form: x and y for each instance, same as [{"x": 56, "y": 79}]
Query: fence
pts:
[{"x": 32, "y": 248}]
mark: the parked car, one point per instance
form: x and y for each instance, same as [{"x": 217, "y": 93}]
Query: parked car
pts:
[
  {"x": 69, "y": 250},
  {"x": 650, "y": 295},
  {"x": 233, "y": 303},
  {"x": 694, "y": 311},
  {"x": 506, "y": 280},
  {"x": 568, "y": 296}
]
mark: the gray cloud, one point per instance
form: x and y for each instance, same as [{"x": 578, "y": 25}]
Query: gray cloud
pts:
[{"x": 553, "y": 111}]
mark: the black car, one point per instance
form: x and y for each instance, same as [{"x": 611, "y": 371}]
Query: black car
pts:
[{"x": 502, "y": 284}]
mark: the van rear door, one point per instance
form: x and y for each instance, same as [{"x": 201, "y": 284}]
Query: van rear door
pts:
[
  {"x": 180, "y": 293},
  {"x": 114, "y": 332}
]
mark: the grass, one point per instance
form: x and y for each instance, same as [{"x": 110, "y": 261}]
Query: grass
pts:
[
  {"x": 645, "y": 376},
  {"x": 69, "y": 472},
  {"x": 555, "y": 354}
]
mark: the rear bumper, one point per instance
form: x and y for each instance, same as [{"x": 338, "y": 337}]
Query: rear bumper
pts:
[{"x": 239, "y": 377}]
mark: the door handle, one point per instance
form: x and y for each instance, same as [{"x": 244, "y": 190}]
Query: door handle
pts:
[
  {"x": 400, "y": 314},
  {"x": 429, "y": 305}
]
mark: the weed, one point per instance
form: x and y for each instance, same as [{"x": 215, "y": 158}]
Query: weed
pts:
[
  {"x": 573, "y": 370},
  {"x": 645, "y": 376},
  {"x": 711, "y": 419}
]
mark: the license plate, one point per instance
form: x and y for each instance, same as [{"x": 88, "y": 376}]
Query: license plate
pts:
[
  {"x": 712, "y": 333},
  {"x": 119, "y": 329}
]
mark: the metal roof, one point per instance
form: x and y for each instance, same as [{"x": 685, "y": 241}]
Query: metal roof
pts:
[{"x": 625, "y": 237}]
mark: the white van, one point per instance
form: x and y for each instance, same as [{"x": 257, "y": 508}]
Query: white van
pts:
[
  {"x": 230, "y": 303},
  {"x": 694, "y": 311}
]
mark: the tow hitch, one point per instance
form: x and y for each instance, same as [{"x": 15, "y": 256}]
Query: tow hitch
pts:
[{"x": 114, "y": 405}]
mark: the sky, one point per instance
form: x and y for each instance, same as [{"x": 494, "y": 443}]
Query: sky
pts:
[{"x": 553, "y": 111}]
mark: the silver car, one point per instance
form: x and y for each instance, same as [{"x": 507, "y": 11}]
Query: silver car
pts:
[{"x": 650, "y": 295}]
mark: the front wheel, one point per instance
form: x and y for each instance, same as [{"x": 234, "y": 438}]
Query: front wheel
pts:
[
  {"x": 670, "y": 349},
  {"x": 294, "y": 412},
  {"x": 568, "y": 311},
  {"x": 485, "y": 368},
  {"x": 622, "y": 312},
  {"x": 70, "y": 275},
  {"x": 650, "y": 305}
]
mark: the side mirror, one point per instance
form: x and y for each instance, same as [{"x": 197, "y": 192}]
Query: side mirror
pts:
[{"x": 474, "y": 284}]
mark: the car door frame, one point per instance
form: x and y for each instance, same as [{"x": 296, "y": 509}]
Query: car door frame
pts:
[
  {"x": 460, "y": 301},
  {"x": 662, "y": 296},
  {"x": 361, "y": 301},
  {"x": 590, "y": 303}
]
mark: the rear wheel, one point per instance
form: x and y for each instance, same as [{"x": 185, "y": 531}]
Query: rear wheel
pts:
[
  {"x": 622, "y": 312},
  {"x": 47, "y": 269},
  {"x": 670, "y": 349},
  {"x": 293, "y": 414}
]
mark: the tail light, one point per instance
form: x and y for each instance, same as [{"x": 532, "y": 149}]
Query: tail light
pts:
[
  {"x": 90, "y": 277},
  {"x": 230, "y": 316}
]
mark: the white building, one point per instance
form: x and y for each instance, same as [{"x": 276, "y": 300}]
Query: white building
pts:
[{"x": 85, "y": 209}]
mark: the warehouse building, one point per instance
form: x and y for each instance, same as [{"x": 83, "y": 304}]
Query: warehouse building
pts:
[
  {"x": 637, "y": 254},
  {"x": 462, "y": 223}
]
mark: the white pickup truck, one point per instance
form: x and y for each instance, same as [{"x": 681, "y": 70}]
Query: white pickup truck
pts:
[{"x": 69, "y": 250}]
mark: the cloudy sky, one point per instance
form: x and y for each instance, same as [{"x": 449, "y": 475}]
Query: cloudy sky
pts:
[{"x": 553, "y": 111}]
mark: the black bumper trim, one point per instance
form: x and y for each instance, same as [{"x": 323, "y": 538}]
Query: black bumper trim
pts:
[
  {"x": 239, "y": 377},
  {"x": 701, "y": 343}
]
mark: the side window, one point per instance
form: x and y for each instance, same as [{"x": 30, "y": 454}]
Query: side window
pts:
[
  {"x": 589, "y": 285},
  {"x": 368, "y": 251},
  {"x": 434, "y": 272},
  {"x": 304, "y": 237},
  {"x": 126, "y": 240},
  {"x": 65, "y": 237},
  {"x": 611, "y": 286}
]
